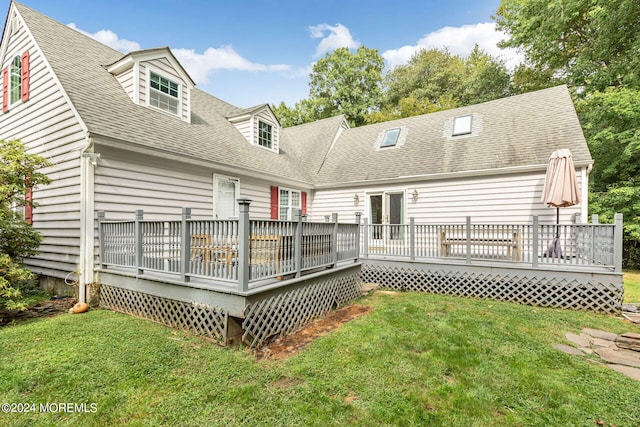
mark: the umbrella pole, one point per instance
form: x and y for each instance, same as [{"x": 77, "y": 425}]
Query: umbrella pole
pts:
[{"x": 558, "y": 223}]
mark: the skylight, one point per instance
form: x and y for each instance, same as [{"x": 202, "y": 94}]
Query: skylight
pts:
[
  {"x": 390, "y": 137},
  {"x": 462, "y": 125}
]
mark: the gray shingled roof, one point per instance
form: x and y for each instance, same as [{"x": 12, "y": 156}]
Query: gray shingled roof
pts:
[
  {"x": 518, "y": 131},
  {"x": 79, "y": 62}
]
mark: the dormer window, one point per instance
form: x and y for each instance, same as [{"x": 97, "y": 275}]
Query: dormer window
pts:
[
  {"x": 390, "y": 138},
  {"x": 462, "y": 125},
  {"x": 265, "y": 134},
  {"x": 163, "y": 93}
]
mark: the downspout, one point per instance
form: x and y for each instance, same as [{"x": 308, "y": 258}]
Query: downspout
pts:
[{"x": 88, "y": 160}]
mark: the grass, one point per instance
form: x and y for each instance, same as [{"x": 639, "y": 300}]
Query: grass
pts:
[
  {"x": 632, "y": 286},
  {"x": 415, "y": 359}
]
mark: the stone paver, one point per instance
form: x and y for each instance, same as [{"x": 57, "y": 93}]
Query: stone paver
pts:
[
  {"x": 597, "y": 342},
  {"x": 568, "y": 349},
  {"x": 596, "y": 333},
  {"x": 611, "y": 348},
  {"x": 619, "y": 357},
  {"x": 582, "y": 340},
  {"x": 627, "y": 370}
]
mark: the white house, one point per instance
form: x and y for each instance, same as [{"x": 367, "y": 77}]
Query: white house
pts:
[{"x": 131, "y": 131}]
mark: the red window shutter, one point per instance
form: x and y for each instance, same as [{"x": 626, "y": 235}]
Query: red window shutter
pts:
[
  {"x": 28, "y": 208},
  {"x": 274, "y": 202},
  {"x": 25, "y": 76},
  {"x": 5, "y": 90},
  {"x": 304, "y": 202}
]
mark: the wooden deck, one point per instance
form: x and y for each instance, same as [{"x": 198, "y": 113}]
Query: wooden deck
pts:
[{"x": 249, "y": 280}]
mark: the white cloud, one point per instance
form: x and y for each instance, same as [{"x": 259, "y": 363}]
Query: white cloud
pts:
[
  {"x": 333, "y": 37},
  {"x": 459, "y": 41},
  {"x": 201, "y": 65},
  {"x": 198, "y": 65},
  {"x": 109, "y": 38}
]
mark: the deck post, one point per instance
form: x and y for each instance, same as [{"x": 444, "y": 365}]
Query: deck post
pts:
[
  {"x": 138, "y": 240},
  {"x": 365, "y": 238},
  {"x": 617, "y": 242},
  {"x": 243, "y": 244},
  {"x": 412, "y": 239},
  {"x": 358, "y": 218},
  {"x": 185, "y": 244},
  {"x": 101, "y": 219},
  {"x": 468, "y": 228},
  {"x": 595, "y": 219},
  {"x": 535, "y": 243},
  {"x": 297, "y": 242},
  {"x": 334, "y": 239}
]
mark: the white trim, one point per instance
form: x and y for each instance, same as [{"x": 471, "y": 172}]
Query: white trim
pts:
[
  {"x": 150, "y": 69},
  {"x": 150, "y": 55},
  {"x": 584, "y": 184},
  {"x": 440, "y": 176},
  {"x": 290, "y": 207},
  {"x": 216, "y": 178},
  {"x": 136, "y": 83}
]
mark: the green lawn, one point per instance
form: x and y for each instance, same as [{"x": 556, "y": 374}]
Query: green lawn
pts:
[
  {"x": 632, "y": 286},
  {"x": 416, "y": 359}
]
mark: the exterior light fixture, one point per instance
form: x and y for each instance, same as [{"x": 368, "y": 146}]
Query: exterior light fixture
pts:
[
  {"x": 356, "y": 199},
  {"x": 414, "y": 195}
]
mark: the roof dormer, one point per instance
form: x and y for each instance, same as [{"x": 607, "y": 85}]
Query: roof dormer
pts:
[
  {"x": 259, "y": 126},
  {"x": 154, "y": 78}
]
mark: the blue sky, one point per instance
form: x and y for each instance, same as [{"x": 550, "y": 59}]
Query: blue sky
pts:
[{"x": 251, "y": 52}]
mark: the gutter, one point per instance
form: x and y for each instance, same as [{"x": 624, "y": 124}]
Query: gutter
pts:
[{"x": 440, "y": 176}]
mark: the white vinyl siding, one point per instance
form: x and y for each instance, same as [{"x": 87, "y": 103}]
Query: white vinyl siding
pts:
[
  {"x": 512, "y": 198},
  {"x": 124, "y": 183},
  {"x": 126, "y": 80},
  {"x": 47, "y": 126},
  {"x": 244, "y": 127}
]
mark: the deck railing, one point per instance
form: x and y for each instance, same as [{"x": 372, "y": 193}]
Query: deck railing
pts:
[
  {"x": 239, "y": 253},
  {"x": 589, "y": 245}
]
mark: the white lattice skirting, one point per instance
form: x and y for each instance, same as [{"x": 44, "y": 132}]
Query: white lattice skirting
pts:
[
  {"x": 286, "y": 312},
  {"x": 202, "y": 319},
  {"x": 579, "y": 291}
]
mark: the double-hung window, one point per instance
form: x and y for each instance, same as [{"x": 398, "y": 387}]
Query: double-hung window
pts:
[
  {"x": 288, "y": 200},
  {"x": 16, "y": 80},
  {"x": 265, "y": 134},
  {"x": 164, "y": 93}
]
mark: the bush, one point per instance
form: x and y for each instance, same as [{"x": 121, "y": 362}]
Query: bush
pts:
[{"x": 18, "y": 173}]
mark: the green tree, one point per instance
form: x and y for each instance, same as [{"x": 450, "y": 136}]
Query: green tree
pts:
[
  {"x": 592, "y": 44},
  {"x": 18, "y": 172},
  {"x": 486, "y": 78},
  {"x": 301, "y": 112},
  {"x": 612, "y": 127},
  {"x": 435, "y": 80},
  {"x": 346, "y": 83},
  {"x": 593, "y": 47}
]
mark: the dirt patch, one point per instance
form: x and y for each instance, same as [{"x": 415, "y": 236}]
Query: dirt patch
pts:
[
  {"x": 42, "y": 309},
  {"x": 291, "y": 344}
]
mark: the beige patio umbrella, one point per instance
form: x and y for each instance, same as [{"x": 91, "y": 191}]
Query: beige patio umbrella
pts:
[{"x": 560, "y": 190}]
